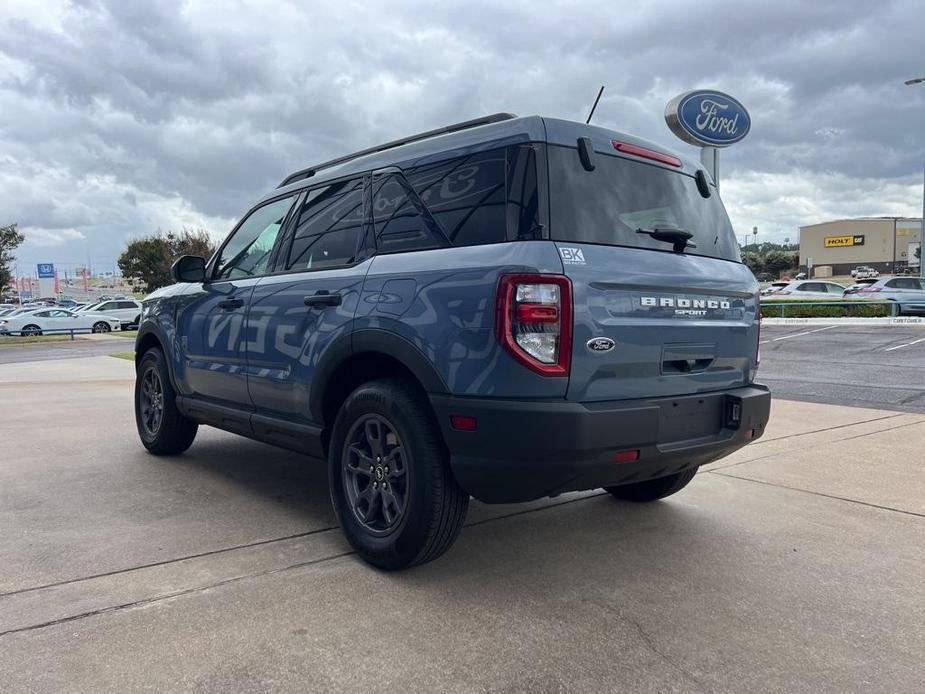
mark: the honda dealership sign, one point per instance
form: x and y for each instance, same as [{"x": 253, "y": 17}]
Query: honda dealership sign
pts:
[{"x": 707, "y": 118}]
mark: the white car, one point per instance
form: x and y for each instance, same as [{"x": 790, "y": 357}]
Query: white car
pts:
[
  {"x": 128, "y": 311},
  {"x": 807, "y": 289},
  {"x": 56, "y": 321},
  {"x": 864, "y": 272}
]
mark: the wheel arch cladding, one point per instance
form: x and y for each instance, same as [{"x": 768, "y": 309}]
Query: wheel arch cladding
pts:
[
  {"x": 377, "y": 357},
  {"x": 146, "y": 341}
]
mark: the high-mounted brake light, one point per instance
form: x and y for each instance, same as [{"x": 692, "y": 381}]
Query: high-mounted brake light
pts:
[
  {"x": 645, "y": 152},
  {"x": 534, "y": 321}
]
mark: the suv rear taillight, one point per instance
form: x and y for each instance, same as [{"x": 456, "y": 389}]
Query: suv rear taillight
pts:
[{"x": 534, "y": 321}]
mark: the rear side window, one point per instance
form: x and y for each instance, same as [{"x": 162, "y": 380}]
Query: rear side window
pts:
[
  {"x": 466, "y": 196},
  {"x": 400, "y": 219},
  {"x": 329, "y": 232},
  {"x": 608, "y": 205},
  {"x": 905, "y": 283},
  {"x": 480, "y": 198}
]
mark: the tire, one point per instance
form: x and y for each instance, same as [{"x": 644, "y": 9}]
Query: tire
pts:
[
  {"x": 31, "y": 330},
  {"x": 101, "y": 327},
  {"x": 170, "y": 433},
  {"x": 426, "y": 505},
  {"x": 652, "y": 490}
]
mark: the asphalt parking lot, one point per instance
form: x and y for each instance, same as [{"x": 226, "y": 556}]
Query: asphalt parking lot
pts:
[
  {"x": 876, "y": 366},
  {"x": 794, "y": 565}
]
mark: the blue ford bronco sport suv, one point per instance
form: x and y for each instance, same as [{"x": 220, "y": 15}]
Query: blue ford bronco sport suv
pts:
[{"x": 507, "y": 308}]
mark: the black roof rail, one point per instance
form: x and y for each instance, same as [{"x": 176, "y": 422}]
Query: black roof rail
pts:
[{"x": 465, "y": 125}]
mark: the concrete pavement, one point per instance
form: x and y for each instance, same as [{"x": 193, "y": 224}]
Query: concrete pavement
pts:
[{"x": 794, "y": 565}]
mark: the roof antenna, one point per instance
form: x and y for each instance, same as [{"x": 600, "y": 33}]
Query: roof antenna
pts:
[{"x": 595, "y": 104}]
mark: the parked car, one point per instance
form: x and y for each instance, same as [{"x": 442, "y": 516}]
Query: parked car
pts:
[
  {"x": 128, "y": 311},
  {"x": 908, "y": 291},
  {"x": 507, "y": 308},
  {"x": 864, "y": 272},
  {"x": 55, "y": 320},
  {"x": 860, "y": 284},
  {"x": 800, "y": 276},
  {"x": 807, "y": 289},
  {"x": 764, "y": 277}
]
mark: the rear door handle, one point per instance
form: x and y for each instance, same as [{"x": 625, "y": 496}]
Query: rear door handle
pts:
[
  {"x": 229, "y": 304},
  {"x": 322, "y": 298}
]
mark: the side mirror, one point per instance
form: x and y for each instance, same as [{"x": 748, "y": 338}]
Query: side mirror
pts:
[{"x": 189, "y": 268}]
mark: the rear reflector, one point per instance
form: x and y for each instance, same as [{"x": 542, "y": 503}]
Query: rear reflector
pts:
[
  {"x": 462, "y": 422},
  {"x": 626, "y": 456},
  {"x": 646, "y": 153}
]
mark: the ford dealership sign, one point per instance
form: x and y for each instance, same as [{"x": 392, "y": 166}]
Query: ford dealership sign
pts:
[{"x": 707, "y": 118}]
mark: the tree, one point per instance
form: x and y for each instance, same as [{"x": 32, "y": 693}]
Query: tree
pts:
[
  {"x": 777, "y": 261},
  {"x": 10, "y": 238},
  {"x": 147, "y": 260}
]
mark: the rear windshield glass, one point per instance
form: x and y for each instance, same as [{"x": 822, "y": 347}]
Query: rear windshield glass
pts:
[{"x": 609, "y": 204}]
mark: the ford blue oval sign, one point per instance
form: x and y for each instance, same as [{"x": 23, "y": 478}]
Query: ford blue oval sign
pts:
[{"x": 707, "y": 118}]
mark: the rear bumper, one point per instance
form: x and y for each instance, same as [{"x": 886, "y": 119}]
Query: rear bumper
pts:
[{"x": 527, "y": 449}]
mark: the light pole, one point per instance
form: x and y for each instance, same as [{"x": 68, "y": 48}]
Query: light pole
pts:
[{"x": 909, "y": 83}]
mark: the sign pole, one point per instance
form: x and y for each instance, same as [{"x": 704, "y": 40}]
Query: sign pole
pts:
[
  {"x": 922, "y": 232},
  {"x": 709, "y": 157}
]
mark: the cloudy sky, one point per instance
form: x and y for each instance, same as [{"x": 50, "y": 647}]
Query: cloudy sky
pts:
[{"x": 119, "y": 117}]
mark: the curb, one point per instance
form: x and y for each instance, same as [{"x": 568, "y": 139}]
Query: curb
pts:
[{"x": 898, "y": 321}]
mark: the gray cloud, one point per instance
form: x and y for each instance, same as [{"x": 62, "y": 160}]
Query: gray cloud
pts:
[{"x": 121, "y": 116}]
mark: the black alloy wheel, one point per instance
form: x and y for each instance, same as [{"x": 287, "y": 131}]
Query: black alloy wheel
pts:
[
  {"x": 151, "y": 401},
  {"x": 392, "y": 488},
  {"x": 374, "y": 474}
]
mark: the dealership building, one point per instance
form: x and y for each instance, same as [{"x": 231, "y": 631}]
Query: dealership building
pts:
[{"x": 887, "y": 244}]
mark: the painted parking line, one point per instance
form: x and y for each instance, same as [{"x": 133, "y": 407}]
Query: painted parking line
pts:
[
  {"x": 808, "y": 332},
  {"x": 908, "y": 344}
]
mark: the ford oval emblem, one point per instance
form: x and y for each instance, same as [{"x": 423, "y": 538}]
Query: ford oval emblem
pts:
[
  {"x": 707, "y": 118},
  {"x": 601, "y": 344}
]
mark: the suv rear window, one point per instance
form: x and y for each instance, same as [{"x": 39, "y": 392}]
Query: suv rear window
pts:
[{"x": 607, "y": 205}]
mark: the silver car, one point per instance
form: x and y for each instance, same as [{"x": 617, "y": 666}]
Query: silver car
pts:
[
  {"x": 807, "y": 289},
  {"x": 908, "y": 291}
]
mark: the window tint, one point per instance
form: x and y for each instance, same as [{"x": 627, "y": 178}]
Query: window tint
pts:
[
  {"x": 107, "y": 306},
  {"x": 127, "y": 304},
  {"x": 42, "y": 314},
  {"x": 399, "y": 219},
  {"x": 835, "y": 289},
  {"x": 330, "y": 229},
  {"x": 609, "y": 204},
  {"x": 248, "y": 251},
  {"x": 467, "y": 196}
]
